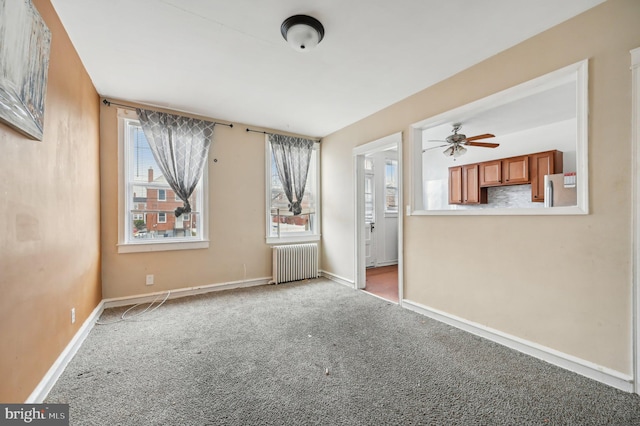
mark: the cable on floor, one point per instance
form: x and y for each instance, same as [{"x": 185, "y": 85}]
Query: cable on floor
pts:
[{"x": 124, "y": 316}]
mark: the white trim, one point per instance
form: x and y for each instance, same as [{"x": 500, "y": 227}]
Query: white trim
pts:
[
  {"x": 162, "y": 246},
  {"x": 578, "y": 71},
  {"x": 337, "y": 278},
  {"x": 391, "y": 141},
  {"x": 51, "y": 377},
  {"x": 126, "y": 243},
  {"x": 307, "y": 238},
  {"x": 388, "y": 263},
  {"x": 635, "y": 206},
  {"x": 360, "y": 173},
  {"x": 577, "y": 365},
  {"x": 183, "y": 292},
  {"x": 377, "y": 145},
  {"x": 400, "y": 221}
]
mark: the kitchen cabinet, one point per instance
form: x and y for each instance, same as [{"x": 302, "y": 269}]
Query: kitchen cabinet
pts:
[
  {"x": 541, "y": 164},
  {"x": 515, "y": 170},
  {"x": 455, "y": 185},
  {"x": 468, "y": 183},
  {"x": 505, "y": 171},
  {"x": 464, "y": 185},
  {"x": 491, "y": 173},
  {"x": 471, "y": 191}
]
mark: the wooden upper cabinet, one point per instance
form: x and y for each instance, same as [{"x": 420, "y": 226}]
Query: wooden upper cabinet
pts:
[
  {"x": 515, "y": 170},
  {"x": 506, "y": 171},
  {"x": 455, "y": 185},
  {"x": 464, "y": 186},
  {"x": 468, "y": 183},
  {"x": 491, "y": 173},
  {"x": 541, "y": 164},
  {"x": 471, "y": 191}
]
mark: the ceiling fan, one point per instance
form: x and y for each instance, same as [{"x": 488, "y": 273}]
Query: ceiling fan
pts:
[{"x": 458, "y": 141}]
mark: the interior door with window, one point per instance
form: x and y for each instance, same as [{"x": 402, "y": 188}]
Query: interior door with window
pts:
[{"x": 369, "y": 217}]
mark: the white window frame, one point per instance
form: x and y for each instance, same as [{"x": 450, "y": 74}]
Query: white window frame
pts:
[
  {"x": 577, "y": 71},
  {"x": 163, "y": 191},
  {"x": 387, "y": 211},
  {"x": 164, "y": 214},
  {"x": 299, "y": 237},
  {"x": 126, "y": 244}
]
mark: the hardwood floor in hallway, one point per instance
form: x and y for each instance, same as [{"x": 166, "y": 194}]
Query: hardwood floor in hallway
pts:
[{"x": 383, "y": 282}]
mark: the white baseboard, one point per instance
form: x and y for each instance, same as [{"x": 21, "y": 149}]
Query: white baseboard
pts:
[
  {"x": 338, "y": 279},
  {"x": 388, "y": 263},
  {"x": 42, "y": 390},
  {"x": 49, "y": 380},
  {"x": 182, "y": 292},
  {"x": 577, "y": 365}
]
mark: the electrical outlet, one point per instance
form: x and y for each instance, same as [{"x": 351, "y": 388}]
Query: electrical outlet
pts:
[
  {"x": 149, "y": 279},
  {"x": 73, "y": 315}
]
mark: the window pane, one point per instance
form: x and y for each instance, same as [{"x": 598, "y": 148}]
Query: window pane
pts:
[
  {"x": 152, "y": 203},
  {"x": 391, "y": 186}
]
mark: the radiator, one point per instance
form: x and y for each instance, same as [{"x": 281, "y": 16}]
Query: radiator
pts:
[{"x": 295, "y": 262}]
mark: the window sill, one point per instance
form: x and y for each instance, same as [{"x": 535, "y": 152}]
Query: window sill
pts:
[
  {"x": 292, "y": 240},
  {"x": 162, "y": 246}
]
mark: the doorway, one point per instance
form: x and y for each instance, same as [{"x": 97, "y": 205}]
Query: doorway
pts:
[{"x": 378, "y": 171}]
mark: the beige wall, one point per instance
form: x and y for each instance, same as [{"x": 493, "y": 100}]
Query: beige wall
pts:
[
  {"x": 237, "y": 251},
  {"x": 581, "y": 304},
  {"x": 49, "y": 244}
]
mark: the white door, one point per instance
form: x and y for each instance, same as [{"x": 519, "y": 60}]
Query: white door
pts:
[{"x": 369, "y": 219}]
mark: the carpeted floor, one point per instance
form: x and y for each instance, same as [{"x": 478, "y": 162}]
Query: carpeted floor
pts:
[{"x": 316, "y": 352}]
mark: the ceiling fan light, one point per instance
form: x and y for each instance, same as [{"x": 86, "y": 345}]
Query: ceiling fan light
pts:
[
  {"x": 459, "y": 150},
  {"x": 448, "y": 152},
  {"x": 302, "y": 32}
]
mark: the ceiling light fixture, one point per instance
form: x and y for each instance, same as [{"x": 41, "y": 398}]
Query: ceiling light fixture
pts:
[
  {"x": 302, "y": 32},
  {"x": 455, "y": 151}
]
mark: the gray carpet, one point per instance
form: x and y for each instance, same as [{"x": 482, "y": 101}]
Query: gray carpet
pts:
[{"x": 316, "y": 352}]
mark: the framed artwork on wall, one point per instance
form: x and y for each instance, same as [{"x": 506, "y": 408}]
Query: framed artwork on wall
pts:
[{"x": 25, "y": 42}]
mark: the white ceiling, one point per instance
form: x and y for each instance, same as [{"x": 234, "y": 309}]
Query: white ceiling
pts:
[{"x": 227, "y": 59}]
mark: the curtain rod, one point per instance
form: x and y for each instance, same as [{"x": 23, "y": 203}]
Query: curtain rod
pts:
[
  {"x": 267, "y": 133},
  {"x": 109, "y": 103}
]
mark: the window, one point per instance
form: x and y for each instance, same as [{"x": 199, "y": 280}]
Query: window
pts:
[
  {"x": 147, "y": 220},
  {"x": 391, "y": 186},
  {"x": 282, "y": 225}
]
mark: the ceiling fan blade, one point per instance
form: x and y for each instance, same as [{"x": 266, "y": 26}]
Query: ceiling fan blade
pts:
[
  {"x": 485, "y": 136},
  {"x": 434, "y": 147},
  {"x": 483, "y": 144},
  {"x": 436, "y": 140}
]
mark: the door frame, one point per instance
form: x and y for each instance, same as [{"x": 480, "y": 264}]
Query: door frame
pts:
[
  {"x": 635, "y": 184},
  {"x": 359, "y": 152}
]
